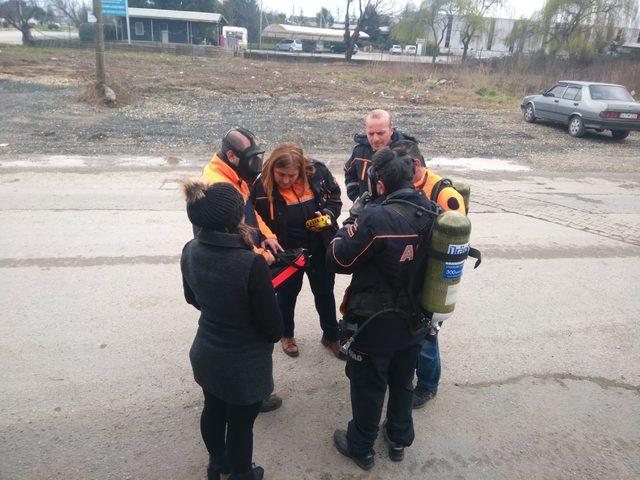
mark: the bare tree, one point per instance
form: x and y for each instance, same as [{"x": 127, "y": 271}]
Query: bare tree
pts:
[
  {"x": 75, "y": 10},
  {"x": 350, "y": 37},
  {"x": 21, "y": 14},
  {"x": 438, "y": 16},
  {"x": 472, "y": 15}
]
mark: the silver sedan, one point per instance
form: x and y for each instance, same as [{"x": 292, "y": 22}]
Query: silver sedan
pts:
[{"x": 585, "y": 105}]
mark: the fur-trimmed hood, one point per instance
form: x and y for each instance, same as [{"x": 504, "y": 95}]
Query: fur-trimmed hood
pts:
[{"x": 194, "y": 189}]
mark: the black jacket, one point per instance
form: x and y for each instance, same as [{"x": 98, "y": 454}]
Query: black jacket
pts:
[
  {"x": 326, "y": 192},
  {"x": 355, "y": 170},
  {"x": 381, "y": 255},
  {"x": 239, "y": 318}
]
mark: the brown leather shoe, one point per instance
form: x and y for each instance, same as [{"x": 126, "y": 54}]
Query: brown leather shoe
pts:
[
  {"x": 289, "y": 346},
  {"x": 334, "y": 346}
]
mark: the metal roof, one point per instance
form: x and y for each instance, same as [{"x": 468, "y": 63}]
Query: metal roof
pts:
[
  {"x": 156, "y": 13},
  {"x": 586, "y": 84},
  {"x": 279, "y": 30}
]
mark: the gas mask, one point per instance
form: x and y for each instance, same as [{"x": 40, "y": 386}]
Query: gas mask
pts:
[{"x": 249, "y": 160}]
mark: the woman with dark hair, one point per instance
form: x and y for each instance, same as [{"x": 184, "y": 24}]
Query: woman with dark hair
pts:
[
  {"x": 291, "y": 190},
  {"x": 239, "y": 323}
]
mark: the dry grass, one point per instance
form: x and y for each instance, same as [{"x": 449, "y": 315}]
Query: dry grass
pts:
[{"x": 498, "y": 85}]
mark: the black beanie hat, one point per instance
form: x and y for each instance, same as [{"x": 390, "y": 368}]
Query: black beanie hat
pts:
[{"x": 217, "y": 206}]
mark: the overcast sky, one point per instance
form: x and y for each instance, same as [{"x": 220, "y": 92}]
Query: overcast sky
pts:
[
  {"x": 512, "y": 9},
  {"x": 515, "y": 8}
]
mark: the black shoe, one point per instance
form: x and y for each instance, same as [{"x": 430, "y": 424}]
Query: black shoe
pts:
[
  {"x": 272, "y": 402},
  {"x": 256, "y": 473},
  {"x": 216, "y": 468},
  {"x": 421, "y": 396},
  {"x": 365, "y": 462},
  {"x": 396, "y": 451}
]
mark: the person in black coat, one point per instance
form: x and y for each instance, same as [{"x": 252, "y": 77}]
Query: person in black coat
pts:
[
  {"x": 291, "y": 190},
  {"x": 379, "y": 133},
  {"x": 239, "y": 323}
]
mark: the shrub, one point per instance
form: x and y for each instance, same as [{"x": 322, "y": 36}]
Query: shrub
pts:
[
  {"x": 86, "y": 33},
  {"x": 431, "y": 49}
]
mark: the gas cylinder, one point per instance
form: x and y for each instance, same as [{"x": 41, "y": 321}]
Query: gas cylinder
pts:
[
  {"x": 464, "y": 189},
  {"x": 450, "y": 236}
]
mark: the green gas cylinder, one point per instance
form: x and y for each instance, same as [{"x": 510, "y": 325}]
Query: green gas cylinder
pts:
[
  {"x": 464, "y": 189},
  {"x": 450, "y": 235}
]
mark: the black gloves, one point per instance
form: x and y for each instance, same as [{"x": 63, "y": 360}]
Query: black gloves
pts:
[{"x": 357, "y": 207}]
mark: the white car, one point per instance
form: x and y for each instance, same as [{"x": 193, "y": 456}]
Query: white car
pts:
[
  {"x": 395, "y": 50},
  {"x": 410, "y": 50},
  {"x": 289, "y": 46}
]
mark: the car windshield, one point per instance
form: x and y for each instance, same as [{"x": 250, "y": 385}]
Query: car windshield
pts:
[{"x": 609, "y": 92}]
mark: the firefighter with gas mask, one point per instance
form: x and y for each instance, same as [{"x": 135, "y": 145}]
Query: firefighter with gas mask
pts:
[
  {"x": 239, "y": 162},
  {"x": 378, "y": 244}
]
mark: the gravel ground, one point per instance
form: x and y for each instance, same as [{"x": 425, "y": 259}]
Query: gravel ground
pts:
[{"x": 181, "y": 106}]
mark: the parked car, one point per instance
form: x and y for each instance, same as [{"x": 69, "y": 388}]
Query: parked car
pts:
[
  {"x": 410, "y": 50},
  {"x": 289, "y": 46},
  {"x": 395, "y": 50},
  {"x": 585, "y": 105},
  {"x": 340, "y": 48}
]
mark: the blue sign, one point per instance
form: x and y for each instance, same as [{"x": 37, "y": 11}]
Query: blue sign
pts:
[
  {"x": 114, "y": 7},
  {"x": 453, "y": 270}
]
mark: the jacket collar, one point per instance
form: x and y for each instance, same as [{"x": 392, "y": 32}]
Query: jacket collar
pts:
[
  {"x": 221, "y": 239},
  {"x": 222, "y": 168}
]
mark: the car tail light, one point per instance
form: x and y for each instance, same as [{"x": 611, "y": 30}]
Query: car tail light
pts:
[{"x": 610, "y": 114}]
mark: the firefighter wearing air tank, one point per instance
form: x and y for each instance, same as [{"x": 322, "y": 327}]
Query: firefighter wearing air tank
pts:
[
  {"x": 439, "y": 190},
  {"x": 378, "y": 244}
]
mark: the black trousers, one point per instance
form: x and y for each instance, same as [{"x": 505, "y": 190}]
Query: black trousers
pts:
[
  {"x": 369, "y": 375},
  {"x": 321, "y": 281},
  {"x": 227, "y": 431}
]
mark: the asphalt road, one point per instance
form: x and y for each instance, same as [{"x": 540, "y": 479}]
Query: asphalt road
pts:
[
  {"x": 14, "y": 37},
  {"x": 540, "y": 361}
]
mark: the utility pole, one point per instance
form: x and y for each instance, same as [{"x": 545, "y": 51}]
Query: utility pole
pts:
[
  {"x": 260, "y": 27},
  {"x": 99, "y": 39}
]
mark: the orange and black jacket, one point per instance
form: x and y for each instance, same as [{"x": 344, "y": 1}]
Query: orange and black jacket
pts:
[
  {"x": 218, "y": 171},
  {"x": 440, "y": 191},
  {"x": 324, "y": 197},
  {"x": 381, "y": 254},
  {"x": 356, "y": 177}
]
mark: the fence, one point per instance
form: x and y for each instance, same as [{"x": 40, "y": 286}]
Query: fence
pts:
[{"x": 170, "y": 48}]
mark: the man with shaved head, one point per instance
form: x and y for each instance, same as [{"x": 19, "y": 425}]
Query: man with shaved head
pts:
[
  {"x": 379, "y": 133},
  {"x": 239, "y": 162}
]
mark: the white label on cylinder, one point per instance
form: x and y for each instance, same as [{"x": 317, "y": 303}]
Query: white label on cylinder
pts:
[{"x": 452, "y": 294}]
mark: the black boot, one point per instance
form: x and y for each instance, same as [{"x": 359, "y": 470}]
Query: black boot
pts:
[
  {"x": 256, "y": 473},
  {"x": 365, "y": 462},
  {"x": 396, "y": 451},
  {"x": 421, "y": 396},
  {"x": 215, "y": 468},
  {"x": 272, "y": 402}
]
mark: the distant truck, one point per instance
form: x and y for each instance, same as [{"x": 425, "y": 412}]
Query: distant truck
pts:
[{"x": 236, "y": 38}]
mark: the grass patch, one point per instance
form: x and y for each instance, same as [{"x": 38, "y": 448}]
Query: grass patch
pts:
[{"x": 486, "y": 92}]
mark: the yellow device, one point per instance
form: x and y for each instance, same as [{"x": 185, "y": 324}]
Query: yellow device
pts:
[{"x": 322, "y": 221}]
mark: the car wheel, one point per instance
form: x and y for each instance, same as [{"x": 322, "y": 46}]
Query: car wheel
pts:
[
  {"x": 620, "y": 134},
  {"x": 529, "y": 113},
  {"x": 576, "y": 126}
]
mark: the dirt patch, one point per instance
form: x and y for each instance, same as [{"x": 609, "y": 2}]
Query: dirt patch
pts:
[
  {"x": 181, "y": 105},
  {"x": 94, "y": 96}
]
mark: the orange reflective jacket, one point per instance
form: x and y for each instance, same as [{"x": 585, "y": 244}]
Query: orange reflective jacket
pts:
[
  {"x": 218, "y": 171},
  {"x": 447, "y": 197}
]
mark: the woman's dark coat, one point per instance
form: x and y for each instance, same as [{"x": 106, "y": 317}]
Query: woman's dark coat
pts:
[{"x": 239, "y": 318}]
